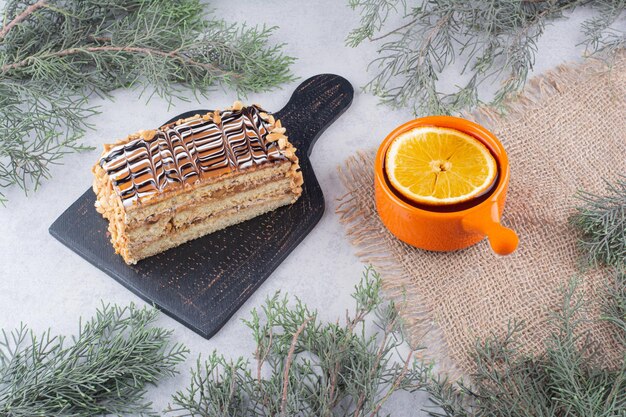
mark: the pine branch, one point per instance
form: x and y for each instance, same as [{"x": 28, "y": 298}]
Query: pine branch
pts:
[
  {"x": 615, "y": 305},
  {"x": 310, "y": 369},
  {"x": 374, "y": 13},
  {"x": 603, "y": 33},
  {"x": 601, "y": 219},
  {"x": 288, "y": 363},
  {"x": 307, "y": 368},
  {"x": 105, "y": 369},
  {"x": 22, "y": 16},
  {"x": 496, "y": 40},
  {"x": 55, "y": 54},
  {"x": 7, "y": 68}
]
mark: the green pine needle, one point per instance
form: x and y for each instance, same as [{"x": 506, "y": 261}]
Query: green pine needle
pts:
[
  {"x": 105, "y": 369},
  {"x": 601, "y": 219},
  {"x": 55, "y": 54},
  {"x": 495, "y": 42},
  {"x": 308, "y": 368},
  {"x": 615, "y": 305},
  {"x": 304, "y": 367}
]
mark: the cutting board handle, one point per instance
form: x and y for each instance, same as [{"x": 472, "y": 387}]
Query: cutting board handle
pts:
[{"x": 313, "y": 106}]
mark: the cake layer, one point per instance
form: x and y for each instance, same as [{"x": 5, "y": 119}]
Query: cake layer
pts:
[
  {"x": 140, "y": 232},
  {"x": 182, "y": 173},
  {"x": 204, "y": 227}
]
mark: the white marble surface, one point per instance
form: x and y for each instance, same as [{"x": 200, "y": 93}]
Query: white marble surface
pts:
[{"x": 44, "y": 284}]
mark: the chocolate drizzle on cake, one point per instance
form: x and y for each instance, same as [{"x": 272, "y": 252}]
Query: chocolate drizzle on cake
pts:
[{"x": 182, "y": 153}]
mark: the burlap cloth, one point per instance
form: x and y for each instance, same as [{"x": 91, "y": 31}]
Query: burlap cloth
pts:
[{"x": 565, "y": 132}]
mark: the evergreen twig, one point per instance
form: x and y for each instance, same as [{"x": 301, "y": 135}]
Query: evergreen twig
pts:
[
  {"x": 495, "y": 40},
  {"x": 615, "y": 305},
  {"x": 307, "y": 368},
  {"x": 105, "y": 369},
  {"x": 601, "y": 220},
  {"x": 54, "y": 54}
]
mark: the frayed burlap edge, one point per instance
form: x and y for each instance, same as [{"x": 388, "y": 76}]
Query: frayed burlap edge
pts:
[{"x": 366, "y": 232}]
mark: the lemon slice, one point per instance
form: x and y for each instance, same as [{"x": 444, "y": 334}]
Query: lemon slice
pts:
[{"x": 439, "y": 166}]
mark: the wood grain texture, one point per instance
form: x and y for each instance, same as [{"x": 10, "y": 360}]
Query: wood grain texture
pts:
[{"x": 202, "y": 283}]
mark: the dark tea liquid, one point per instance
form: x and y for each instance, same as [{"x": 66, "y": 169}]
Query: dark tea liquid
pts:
[{"x": 448, "y": 208}]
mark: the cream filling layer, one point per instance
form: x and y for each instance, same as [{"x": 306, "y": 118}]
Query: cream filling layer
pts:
[
  {"x": 198, "y": 211},
  {"x": 209, "y": 224}
]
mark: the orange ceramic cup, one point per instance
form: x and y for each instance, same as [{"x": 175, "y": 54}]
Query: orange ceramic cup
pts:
[{"x": 447, "y": 231}]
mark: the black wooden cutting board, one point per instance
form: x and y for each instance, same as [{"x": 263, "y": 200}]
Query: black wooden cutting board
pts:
[{"x": 203, "y": 282}]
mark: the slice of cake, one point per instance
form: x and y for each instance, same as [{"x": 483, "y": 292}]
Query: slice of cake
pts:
[{"x": 160, "y": 188}]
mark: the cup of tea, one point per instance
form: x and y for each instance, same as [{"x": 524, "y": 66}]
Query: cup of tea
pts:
[{"x": 420, "y": 216}]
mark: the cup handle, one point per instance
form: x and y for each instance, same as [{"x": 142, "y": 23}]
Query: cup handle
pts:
[{"x": 503, "y": 240}]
